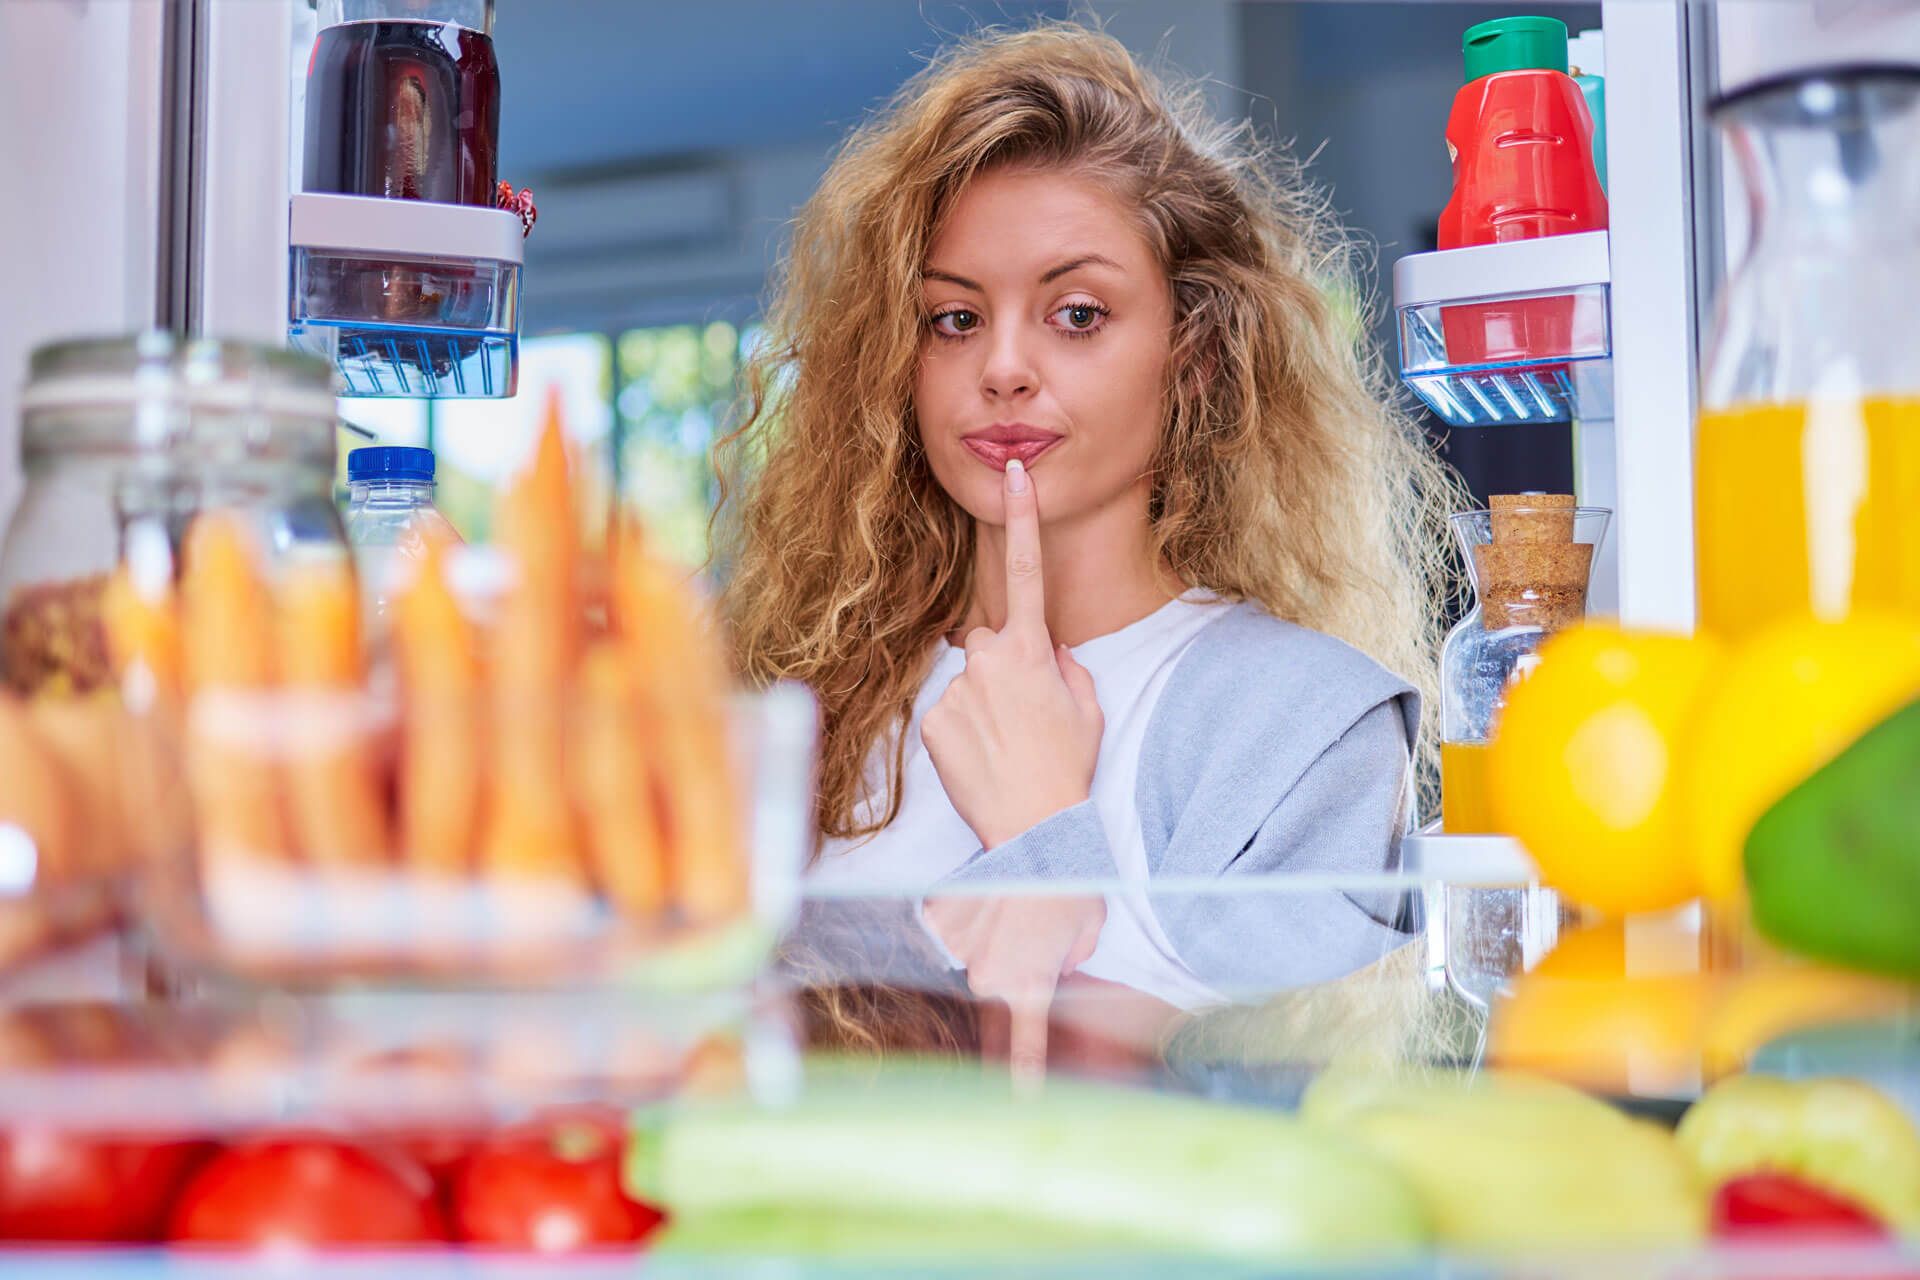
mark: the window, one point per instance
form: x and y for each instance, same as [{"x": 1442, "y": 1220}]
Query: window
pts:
[
  {"x": 642, "y": 412},
  {"x": 676, "y": 386},
  {"x": 479, "y": 445}
]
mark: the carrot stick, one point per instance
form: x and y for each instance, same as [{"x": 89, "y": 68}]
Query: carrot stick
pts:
[
  {"x": 616, "y": 786},
  {"x": 670, "y": 648},
  {"x": 142, "y": 620},
  {"x": 531, "y": 833},
  {"x": 228, "y": 648},
  {"x": 338, "y": 809},
  {"x": 143, "y": 633},
  {"x": 443, "y": 761}
]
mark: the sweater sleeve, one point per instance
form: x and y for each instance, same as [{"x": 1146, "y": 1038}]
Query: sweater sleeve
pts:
[
  {"x": 1071, "y": 845},
  {"x": 1344, "y": 815}
]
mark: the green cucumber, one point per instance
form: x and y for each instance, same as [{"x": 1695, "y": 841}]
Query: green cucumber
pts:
[{"x": 1133, "y": 1170}]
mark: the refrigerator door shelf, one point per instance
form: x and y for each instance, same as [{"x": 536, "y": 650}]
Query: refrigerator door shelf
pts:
[
  {"x": 406, "y": 298},
  {"x": 1505, "y": 333}
]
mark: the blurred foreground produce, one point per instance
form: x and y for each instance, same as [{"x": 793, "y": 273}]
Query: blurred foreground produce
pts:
[
  {"x": 1785, "y": 704},
  {"x": 1834, "y": 868},
  {"x": 1841, "y": 1136},
  {"x": 552, "y": 1186},
  {"x": 1506, "y": 1162},
  {"x": 1642, "y": 1011},
  {"x": 545, "y": 772},
  {"x": 1769, "y": 1206},
  {"x": 894, "y": 1164},
  {"x": 1583, "y": 1016},
  {"x": 77, "y": 1188},
  {"x": 305, "y": 1193},
  {"x": 1642, "y": 771},
  {"x": 1586, "y": 761},
  {"x": 63, "y": 836}
]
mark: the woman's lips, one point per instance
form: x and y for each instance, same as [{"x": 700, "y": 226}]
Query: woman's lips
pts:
[{"x": 997, "y": 454}]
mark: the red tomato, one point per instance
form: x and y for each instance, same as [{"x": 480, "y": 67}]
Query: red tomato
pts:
[
  {"x": 307, "y": 1192},
  {"x": 1773, "y": 1203},
  {"x": 439, "y": 1152},
  {"x": 550, "y": 1188},
  {"x": 57, "y": 1185}
]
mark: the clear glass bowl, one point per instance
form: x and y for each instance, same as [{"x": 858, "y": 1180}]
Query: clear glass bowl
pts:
[{"x": 607, "y": 820}]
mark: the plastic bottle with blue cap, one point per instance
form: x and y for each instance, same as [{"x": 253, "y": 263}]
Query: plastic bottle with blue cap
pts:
[{"x": 391, "y": 519}]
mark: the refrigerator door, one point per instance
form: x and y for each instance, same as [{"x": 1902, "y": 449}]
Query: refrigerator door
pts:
[{"x": 89, "y": 79}]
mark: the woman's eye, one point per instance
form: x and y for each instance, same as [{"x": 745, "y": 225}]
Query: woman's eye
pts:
[
  {"x": 1080, "y": 317},
  {"x": 955, "y": 324}
]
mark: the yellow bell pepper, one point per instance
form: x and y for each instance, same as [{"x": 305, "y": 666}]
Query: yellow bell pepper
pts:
[{"x": 1840, "y": 1134}]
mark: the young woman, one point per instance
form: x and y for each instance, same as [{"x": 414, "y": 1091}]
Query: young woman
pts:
[{"x": 1068, "y": 486}]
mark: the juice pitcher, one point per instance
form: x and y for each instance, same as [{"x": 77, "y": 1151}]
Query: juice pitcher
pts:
[{"x": 1807, "y": 462}]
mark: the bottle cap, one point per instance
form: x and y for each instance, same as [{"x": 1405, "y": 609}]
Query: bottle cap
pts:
[
  {"x": 401, "y": 464},
  {"x": 1515, "y": 44}
]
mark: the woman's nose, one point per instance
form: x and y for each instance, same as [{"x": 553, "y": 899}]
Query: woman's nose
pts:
[{"x": 1009, "y": 371}]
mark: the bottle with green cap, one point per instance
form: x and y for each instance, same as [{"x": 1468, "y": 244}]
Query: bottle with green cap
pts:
[
  {"x": 1515, "y": 44},
  {"x": 1521, "y": 139}
]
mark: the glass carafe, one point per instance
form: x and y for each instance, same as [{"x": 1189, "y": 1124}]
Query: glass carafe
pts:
[
  {"x": 1807, "y": 463},
  {"x": 1530, "y": 559}
]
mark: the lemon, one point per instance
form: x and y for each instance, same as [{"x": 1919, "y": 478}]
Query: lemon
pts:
[
  {"x": 1588, "y": 1016},
  {"x": 1585, "y": 765},
  {"x": 1789, "y": 701}
]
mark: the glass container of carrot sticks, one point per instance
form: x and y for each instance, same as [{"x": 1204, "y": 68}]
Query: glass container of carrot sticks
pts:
[
  {"x": 545, "y": 778},
  {"x": 123, "y": 441}
]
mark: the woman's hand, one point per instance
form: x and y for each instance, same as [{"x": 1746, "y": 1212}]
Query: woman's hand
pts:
[
  {"x": 1014, "y": 739},
  {"x": 1016, "y": 950},
  {"x": 1015, "y": 736}
]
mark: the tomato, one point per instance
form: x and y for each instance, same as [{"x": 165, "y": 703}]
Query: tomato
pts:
[
  {"x": 1769, "y": 1203},
  {"x": 62, "y": 1186},
  {"x": 307, "y": 1192},
  {"x": 439, "y": 1152},
  {"x": 550, "y": 1188}
]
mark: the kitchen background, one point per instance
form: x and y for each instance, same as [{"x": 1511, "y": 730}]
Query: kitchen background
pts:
[{"x": 669, "y": 143}]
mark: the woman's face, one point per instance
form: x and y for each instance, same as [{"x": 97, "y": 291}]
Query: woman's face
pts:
[{"x": 1049, "y": 324}]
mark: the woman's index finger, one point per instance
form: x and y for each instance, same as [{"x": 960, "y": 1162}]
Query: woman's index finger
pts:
[{"x": 1026, "y": 590}]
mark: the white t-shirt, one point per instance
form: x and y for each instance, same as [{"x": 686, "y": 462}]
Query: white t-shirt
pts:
[{"x": 929, "y": 840}]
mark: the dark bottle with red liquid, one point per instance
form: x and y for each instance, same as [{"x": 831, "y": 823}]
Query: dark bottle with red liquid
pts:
[{"x": 404, "y": 105}]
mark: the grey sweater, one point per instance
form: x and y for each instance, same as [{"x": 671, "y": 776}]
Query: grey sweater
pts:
[{"x": 1273, "y": 750}]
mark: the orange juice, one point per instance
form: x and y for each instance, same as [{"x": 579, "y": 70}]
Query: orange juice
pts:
[
  {"x": 1466, "y": 803},
  {"x": 1807, "y": 509}
]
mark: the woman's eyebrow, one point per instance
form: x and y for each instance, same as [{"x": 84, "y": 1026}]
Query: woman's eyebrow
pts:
[
  {"x": 1074, "y": 264},
  {"x": 934, "y": 273}
]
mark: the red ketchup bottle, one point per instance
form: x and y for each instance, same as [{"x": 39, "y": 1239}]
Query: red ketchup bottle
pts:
[{"x": 1521, "y": 139}]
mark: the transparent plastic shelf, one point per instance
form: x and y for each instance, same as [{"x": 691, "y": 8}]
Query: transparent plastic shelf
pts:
[
  {"x": 405, "y": 362},
  {"x": 1508, "y": 333},
  {"x": 409, "y": 299}
]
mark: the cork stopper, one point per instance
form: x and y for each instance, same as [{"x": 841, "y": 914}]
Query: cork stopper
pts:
[{"x": 1533, "y": 573}]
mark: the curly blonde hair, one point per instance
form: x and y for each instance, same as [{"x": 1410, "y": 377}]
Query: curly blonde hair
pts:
[{"x": 1285, "y": 475}]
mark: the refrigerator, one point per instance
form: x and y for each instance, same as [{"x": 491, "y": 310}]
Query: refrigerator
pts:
[{"x": 156, "y": 186}]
